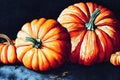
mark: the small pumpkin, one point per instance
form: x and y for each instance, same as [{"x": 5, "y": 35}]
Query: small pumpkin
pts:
[
  {"x": 115, "y": 58},
  {"x": 43, "y": 44},
  {"x": 7, "y": 51},
  {"x": 93, "y": 31}
]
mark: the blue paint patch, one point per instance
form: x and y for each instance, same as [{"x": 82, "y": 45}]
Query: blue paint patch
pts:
[{"x": 103, "y": 71}]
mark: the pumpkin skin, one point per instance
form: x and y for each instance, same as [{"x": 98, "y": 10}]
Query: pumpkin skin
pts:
[
  {"x": 93, "y": 31},
  {"x": 43, "y": 44},
  {"x": 115, "y": 59},
  {"x": 7, "y": 51}
]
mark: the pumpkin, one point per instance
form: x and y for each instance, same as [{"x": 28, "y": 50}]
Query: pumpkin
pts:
[
  {"x": 43, "y": 44},
  {"x": 7, "y": 51},
  {"x": 115, "y": 58},
  {"x": 93, "y": 31}
]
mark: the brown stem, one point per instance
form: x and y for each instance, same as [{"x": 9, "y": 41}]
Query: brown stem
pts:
[{"x": 7, "y": 38}]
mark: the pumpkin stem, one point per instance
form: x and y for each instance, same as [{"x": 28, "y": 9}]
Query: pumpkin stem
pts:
[
  {"x": 36, "y": 42},
  {"x": 7, "y": 38},
  {"x": 90, "y": 25}
]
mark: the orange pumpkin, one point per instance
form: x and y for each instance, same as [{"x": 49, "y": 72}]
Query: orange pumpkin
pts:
[
  {"x": 7, "y": 51},
  {"x": 43, "y": 44},
  {"x": 115, "y": 58},
  {"x": 93, "y": 31}
]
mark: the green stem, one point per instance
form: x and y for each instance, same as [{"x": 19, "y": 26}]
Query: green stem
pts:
[
  {"x": 36, "y": 42},
  {"x": 90, "y": 25}
]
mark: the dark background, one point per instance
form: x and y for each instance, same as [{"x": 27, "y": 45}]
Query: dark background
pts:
[{"x": 15, "y": 13}]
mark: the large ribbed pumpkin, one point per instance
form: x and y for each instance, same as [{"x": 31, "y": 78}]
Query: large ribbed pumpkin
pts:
[
  {"x": 93, "y": 32},
  {"x": 43, "y": 44}
]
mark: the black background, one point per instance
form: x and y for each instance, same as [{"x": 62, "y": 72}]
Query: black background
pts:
[{"x": 15, "y": 13}]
